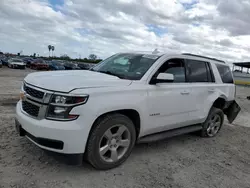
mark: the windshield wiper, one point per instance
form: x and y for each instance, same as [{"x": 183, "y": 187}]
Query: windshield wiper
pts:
[{"x": 112, "y": 73}]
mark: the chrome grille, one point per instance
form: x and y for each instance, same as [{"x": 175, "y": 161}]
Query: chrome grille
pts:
[
  {"x": 35, "y": 101},
  {"x": 33, "y": 92},
  {"x": 30, "y": 108}
]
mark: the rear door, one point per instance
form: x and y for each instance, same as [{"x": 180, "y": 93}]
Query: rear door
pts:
[{"x": 201, "y": 80}]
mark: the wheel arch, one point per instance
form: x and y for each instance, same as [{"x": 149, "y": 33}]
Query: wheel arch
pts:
[
  {"x": 132, "y": 114},
  {"x": 220, "y": 102}
]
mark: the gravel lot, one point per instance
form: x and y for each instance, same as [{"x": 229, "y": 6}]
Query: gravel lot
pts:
[{"x": 184, "y": 161}]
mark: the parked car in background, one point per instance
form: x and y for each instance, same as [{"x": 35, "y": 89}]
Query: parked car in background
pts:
[
  {"x": 39, "y": 64},
  {"x": 4, "y": 61},
  {"x": 71, "y": 66},
  {"x": 28, "y": 61},
  {"x": 85, "y": 66},
  {"x": 55, "y": 65},
  {"x": 15, "y": 63},
  {"x": 1, "y": 57}
]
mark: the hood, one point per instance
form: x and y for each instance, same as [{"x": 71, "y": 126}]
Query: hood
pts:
[{"x": 65, "y": 81}]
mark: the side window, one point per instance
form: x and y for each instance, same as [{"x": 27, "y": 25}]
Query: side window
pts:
[
  {"x": 210, "y": 73},
  {"x": 175, "y": 67},
  {"x": 197, "y": 71},
  {"x": 225, "y": 73}
]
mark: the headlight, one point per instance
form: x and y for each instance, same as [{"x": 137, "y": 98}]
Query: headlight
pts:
[{"x": 61, "y": 105}]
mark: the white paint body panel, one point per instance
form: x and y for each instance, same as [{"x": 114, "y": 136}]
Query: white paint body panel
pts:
[{"x": 161, "y": 107}]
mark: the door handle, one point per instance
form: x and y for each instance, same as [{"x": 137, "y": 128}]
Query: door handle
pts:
[
  {"x": 185, "y": 92},
  {"x": 211, "y": 90}
]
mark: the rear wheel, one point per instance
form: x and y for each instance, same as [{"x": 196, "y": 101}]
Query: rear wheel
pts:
[
  {"x": 111, "y": 141},
  {"x": 213, "y": 123}
]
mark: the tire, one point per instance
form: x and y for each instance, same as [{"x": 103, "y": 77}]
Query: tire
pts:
[
  {"x": 98, "y": 138},
  {"x": 213, "y": 123}
]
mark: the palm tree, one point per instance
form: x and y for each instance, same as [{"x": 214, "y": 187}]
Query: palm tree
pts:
[
  {"x": 49, "y": 47},
  {"x": 52, "y": 48}
]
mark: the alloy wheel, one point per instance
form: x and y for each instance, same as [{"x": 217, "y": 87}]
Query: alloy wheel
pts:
[
  {"x": 114, "y": 143},
  {"x": 214, "y": 125}
]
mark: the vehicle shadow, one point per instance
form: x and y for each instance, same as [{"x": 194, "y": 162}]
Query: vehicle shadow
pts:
[{"x": 139, "y": 151}]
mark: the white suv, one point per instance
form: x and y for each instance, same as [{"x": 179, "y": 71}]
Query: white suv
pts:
[{"x": 130, "y": 97}]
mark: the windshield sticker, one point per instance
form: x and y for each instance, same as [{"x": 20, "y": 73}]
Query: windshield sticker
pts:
[{"x": 150, "y": 56}]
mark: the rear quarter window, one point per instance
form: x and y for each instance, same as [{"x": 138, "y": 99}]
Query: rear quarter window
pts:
[{"x": 225, "y": 73}]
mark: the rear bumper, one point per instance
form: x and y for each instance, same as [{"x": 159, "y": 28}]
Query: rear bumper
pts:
[
  {"x": 42, "y": 67},
  {"x": 232, "y": 110},
  {"x": 58, "y": 136}
]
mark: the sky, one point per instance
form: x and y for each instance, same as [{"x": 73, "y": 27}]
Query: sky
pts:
[{"x": 215, "y": 28}]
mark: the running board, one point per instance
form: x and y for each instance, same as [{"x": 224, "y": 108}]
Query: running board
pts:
[{"x": 170, "y": 133}]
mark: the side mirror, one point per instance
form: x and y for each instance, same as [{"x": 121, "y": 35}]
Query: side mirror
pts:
[{"x": 164, "y": 78}]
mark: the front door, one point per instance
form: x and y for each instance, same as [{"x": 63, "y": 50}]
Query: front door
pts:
[{"x": 169, "y": 104}]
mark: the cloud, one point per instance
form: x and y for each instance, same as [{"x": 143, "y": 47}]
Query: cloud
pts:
[{"x": 79, "y": 27}]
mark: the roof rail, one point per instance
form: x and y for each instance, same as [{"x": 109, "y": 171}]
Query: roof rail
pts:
[{"x": 204, "y": 57}]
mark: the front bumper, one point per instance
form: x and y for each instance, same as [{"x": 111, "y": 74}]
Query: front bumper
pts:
[
  {"x": 16, "y": 66},
  {"x": 66, "y": 137}
]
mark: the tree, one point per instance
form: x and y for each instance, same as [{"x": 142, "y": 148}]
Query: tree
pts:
[
  {"x": 52, "y": 48},
  {"x": 49, "y": 47},
  {"x": 92, "y": 57},
  {"x": 34, "y": 54}
]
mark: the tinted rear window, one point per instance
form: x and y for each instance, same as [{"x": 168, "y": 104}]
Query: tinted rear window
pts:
[
  {"x": 197, "y": 71},
  {"x": 225, "y": 73}
]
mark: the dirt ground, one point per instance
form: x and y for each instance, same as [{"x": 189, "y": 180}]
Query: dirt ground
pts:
[{"x": 184, "y": 161}]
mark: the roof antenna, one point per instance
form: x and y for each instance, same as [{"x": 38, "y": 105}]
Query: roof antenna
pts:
[{"x": 155, "y": 51}]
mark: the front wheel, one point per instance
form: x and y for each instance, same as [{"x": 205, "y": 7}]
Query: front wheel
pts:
[
  {"x": 111, "y": 141},
  {"x": 213, "y": 123}
]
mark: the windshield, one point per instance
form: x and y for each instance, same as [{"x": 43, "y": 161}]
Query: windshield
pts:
[{"x": 127, "y": 65}]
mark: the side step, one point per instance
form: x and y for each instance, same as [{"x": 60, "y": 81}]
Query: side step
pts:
[{"x": 170, "y": 133}]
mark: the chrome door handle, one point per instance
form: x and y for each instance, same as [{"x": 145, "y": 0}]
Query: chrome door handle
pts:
[
  {"x": 185, "y": 92},
  {"x": 211, "y": 90}
]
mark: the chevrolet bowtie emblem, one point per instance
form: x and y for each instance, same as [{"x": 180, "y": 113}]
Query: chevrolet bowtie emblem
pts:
[{"x": 23, "y": 96}]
